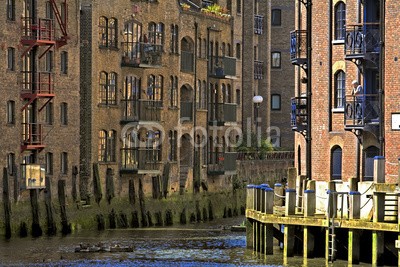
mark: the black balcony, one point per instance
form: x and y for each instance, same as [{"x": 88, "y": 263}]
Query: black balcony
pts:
[
  {"x": 140, "y": 160},
  {"x": 258, "y": 70},
  {"x": 298, "y": 47},
  {"x": 186, "y": 111},
  {"x": 258, "y": 24},
  {"x": 221, "y": 163},
  {"x": 361, "y": 111},
  {"x": 222, "y": 67},
  {"x": 221, "y": 114},
  {"x": 141, "y": 110},
  {"x": 141, "y": 55},
  {"x": 187, "y": 61},
  {"x": 363, "y": 42},
  {"x": 299, "y": 114}
]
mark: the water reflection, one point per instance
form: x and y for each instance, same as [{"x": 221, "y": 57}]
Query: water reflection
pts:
[{"x": 202, "y": 244}]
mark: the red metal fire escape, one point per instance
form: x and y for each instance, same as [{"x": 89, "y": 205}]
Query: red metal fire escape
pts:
[{"x": 38, "y": 86}]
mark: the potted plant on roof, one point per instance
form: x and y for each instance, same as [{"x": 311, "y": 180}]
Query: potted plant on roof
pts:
[{"x": 185, "y": 6}]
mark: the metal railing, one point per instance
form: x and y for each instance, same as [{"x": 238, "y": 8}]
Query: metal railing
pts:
[
  {"x": 38, "y": 83},
  {"x": 136, "y": 53},
  {"x": 258, "y": 69},
  {"x": 222, "y": 66},
  {"x": 141, "y": 110},
  {"x": 298, "y": 45},
  {"x": 361, "y": 109},
  {"x": 362, "y": 38},
  {"x": 32, "y": 134},
  {"x": 186, "y": 109},
  {"x": 187, "y": 61},
  {"x": 222, "y": 112},
  {"x": 258, "y": 24},
  {"x": 42, "y": 29},
  {"x": 134, "y": 159},
  {"x": 274, "y": 155},
  {"x": 222, "y": 162},
  {"x": 299, "y": 114}
]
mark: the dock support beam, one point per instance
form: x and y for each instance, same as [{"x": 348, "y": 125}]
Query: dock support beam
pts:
[
  {"x": 308, "y": 243},
  {"x": 354, "y": 235},
  {"x": 268, "y": 227},
  {"x": 378, "y": 236}
]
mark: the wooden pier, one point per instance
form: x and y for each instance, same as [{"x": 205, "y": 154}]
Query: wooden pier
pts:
[{"x": 323, "y": 219}]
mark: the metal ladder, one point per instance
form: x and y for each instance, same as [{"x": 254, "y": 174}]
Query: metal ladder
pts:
[{"x": 332, "y": 213}]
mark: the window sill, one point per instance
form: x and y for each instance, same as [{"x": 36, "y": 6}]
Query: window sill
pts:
[
  {"x": 338, "y": 110},
  {"x": 107, "y": 163},
  {"x": 338, "y": 42},
  {"x": 101, "y": 105},
  {"x": 173, "y": 108},
  {"x": 10, "y": 124}
]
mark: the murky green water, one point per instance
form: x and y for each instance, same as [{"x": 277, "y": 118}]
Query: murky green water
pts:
[{"x": 203, "y": 244}]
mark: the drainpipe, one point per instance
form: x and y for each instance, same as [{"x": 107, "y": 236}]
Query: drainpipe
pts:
[
  {"x": 330, "y": 67},
  {"x": 309, "y": 88},
  {"x": 381, "y": 75},
  {"x": 196, "y": 190},
  {"x": 358, "y": 145}
]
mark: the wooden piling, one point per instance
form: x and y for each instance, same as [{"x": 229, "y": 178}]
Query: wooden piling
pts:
[
  {"x": 96, "y": 183},
  {"x": 379, "y": 169},
  {"x": 51, "y": 225},
  {"x": 308, "y": 242},
  {"x": 74, "y": 192},
  {"x": 132, "y": 196},
  {"x": 66, "y": 227},
  {"x": 110, "y": 185},
  {"x": 309, "y": 199},
  {"x": 288, "y": 241},
  {"x": 6, "y": 203},
  {"x": 36, "y": 229},
  {"x": 378, "y": 236},
  {"x": 354, "y": 247},
  {"x": 142, "y": 204}
]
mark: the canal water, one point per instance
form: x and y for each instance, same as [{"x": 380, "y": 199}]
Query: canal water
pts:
[{"x": 201, "y": 244}]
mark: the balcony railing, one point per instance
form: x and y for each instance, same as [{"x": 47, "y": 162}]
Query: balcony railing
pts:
[
  {"x": 38, "y": 83},
  {"x": 186, "y": 111},
  {"x": 187, "y": 61},
  {"x": 361, "y": 110},
  {"x": 138, "y": 54},
  {"x": 42, "y": 30},
  {"x": 220, "y": 67},
  {"x": 258, "y": 70},
  {"x": 258, "y": 24},
  {"x": 362, "y": 40},
  {"x": 141, "y": 110},
  {"x": 298, "y": 47},
  {"x": 140, "y": 159},
  {"x": 299, "y": 114},
  {"x": 221, "y": 113},
  {"x": 261, "y": 155},
  {"x": 222, "y": 163}
]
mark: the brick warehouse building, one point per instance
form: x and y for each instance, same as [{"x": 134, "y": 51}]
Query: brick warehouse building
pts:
[
  {"x": 350, "y": 40},
  {"x": 150, "y": 72},
  {"x": 41, "y": 105}
]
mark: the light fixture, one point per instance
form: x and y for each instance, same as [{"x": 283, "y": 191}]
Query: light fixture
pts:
[{"x": 257, "y": 99}]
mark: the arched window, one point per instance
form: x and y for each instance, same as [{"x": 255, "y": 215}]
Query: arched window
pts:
[
  {"x": 103, "y": 36},
  {"x": 340, "y": 83},
  {"x": 336, "y": 163},
  {"x": 340, "y": 21},
  {"x": 103, "y": 88},
  {"x": 112, "y": 89},
  {"x": 369, "y": 154},
  {"x": 112, "y": 33}
]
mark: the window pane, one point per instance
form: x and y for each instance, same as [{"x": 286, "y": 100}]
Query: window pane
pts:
[
  {"x": 276, "y": 102},
  {"x": 276, "y": 59},
  {"x": 276, "y": 17}
]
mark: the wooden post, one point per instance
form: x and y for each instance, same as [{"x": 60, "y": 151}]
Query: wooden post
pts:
[
  {"x": 7, "y": 206},
  {"x": 249, "y": 234},
  {"x": 309, "y": 199},
  {"x": 354, "y": 247},
  {"x": 249, "y": 197},
  {"x": 51, "y": 225},
  {"x": 288, "y": 241},
  {"x": 308, "y": 242},
  {"x": 110, "y": 185},
  {"x": 300, "y": 182},
  {"x": 74, "y": 192},
  {"x": 66, "y": 228},
  {"x": 279, "y": 193},
  {"x": 36, "y": 229},
  {"x": 268, "y": 237},
  {"x": 142, "y": 204},
  {"x": 96, "y": 183},
  {"x": 379, "y": 169},
  {"x": 378, "y": 236},
  {"x": 132, "y": 197}
]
